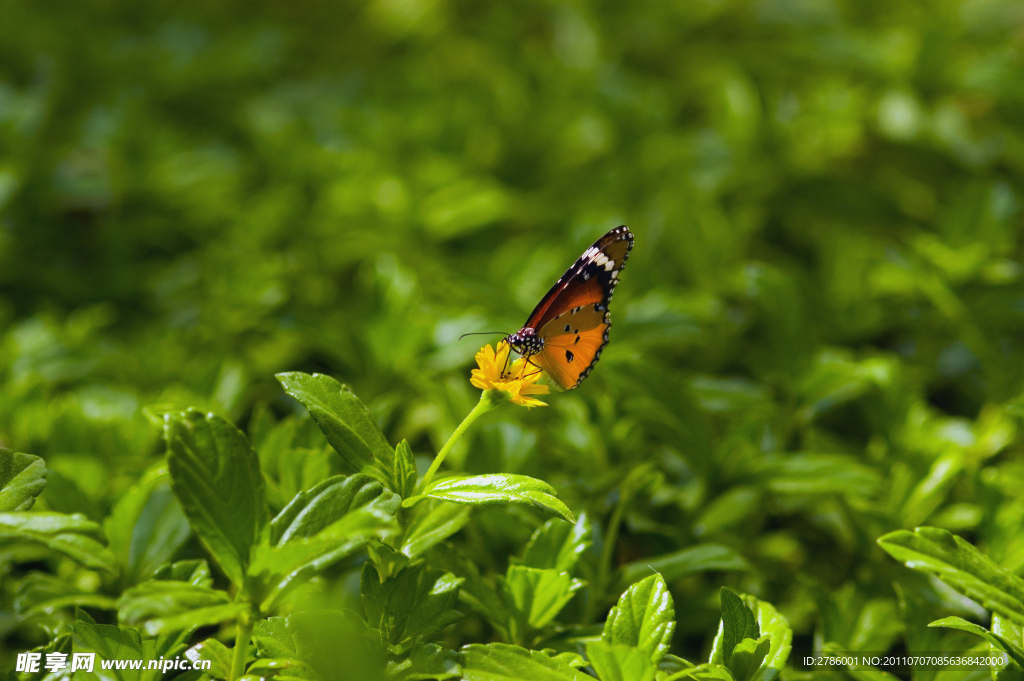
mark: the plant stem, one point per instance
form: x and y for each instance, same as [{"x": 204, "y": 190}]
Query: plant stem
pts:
[
  {"x": 488, "y": 401},
  {"x": 243, "y": 626}
]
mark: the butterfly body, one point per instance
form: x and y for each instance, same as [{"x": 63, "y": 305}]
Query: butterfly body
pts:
[{"x": 568, "y": 329}]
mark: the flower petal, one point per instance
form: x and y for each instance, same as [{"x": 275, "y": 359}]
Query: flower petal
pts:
[{"x": 518, "y": 382}]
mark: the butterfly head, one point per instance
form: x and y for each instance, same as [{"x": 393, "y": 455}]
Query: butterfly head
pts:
[{"x": 525, "y": 341}]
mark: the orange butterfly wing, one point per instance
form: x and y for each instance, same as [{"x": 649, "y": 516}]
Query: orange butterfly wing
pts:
[{"x": 572, "y": 344}]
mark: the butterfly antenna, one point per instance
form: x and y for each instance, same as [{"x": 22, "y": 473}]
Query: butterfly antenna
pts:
[{"x": 483, "y": 333}]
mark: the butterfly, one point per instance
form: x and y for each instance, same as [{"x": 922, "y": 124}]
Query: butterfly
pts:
[{"x": 568, "y": 329}]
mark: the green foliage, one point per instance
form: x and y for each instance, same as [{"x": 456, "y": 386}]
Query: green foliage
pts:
[
  {"x": 163, "y": 527},
  {"x": 679, "y": 564},
  {"x": 22, "y": 478},
  {"x": 644, "y": 618},
  {"x": 495, "y": 489},
  {"x": 738, "y": 625},
  {"x": 500, "y": 662},
  {"x": 1012, "y": 649},
  {"x": 414, "y": 607},
  {"x": 346, "y": 424},
  {"x": 216, "y": 477},
  {"x": 619, "y": 662},
  {"x": 813, "y": 392},
  {"x": 535, "y": 597},
  {"x": 960, "y": 565},
  {"x": 73, "y": 536},
  {"x": 557, "y": 545},
  {"x": 432, "y": 523}
]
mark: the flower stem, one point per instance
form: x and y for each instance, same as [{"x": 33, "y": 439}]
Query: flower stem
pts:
[
  {"x": 243, "y": 630},
  {"x": 489, "y": 399}
]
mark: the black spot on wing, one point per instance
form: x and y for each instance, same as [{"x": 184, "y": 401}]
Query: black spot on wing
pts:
[{"x": 569, "y": 357}]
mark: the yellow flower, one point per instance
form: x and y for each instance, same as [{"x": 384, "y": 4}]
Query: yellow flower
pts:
[{"x": 520, "y": 381}]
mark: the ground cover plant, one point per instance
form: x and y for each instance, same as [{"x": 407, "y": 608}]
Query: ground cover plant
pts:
[{"x": 238, "y": 247}]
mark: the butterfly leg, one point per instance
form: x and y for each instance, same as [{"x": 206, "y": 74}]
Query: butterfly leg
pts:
[
  {"x": 530, "y": 362},
  {"x": 504, "y": 369}
]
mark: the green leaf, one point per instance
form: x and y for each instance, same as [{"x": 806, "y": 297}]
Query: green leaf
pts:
[
  {"x": 729, "y": 510},
  {"x": 644, "y": 618},
  {"x": 273, "y": 669},
  {"x": 109, "y": 643},
  {"x": 299, "y": 469},
  {"x": 160, "y": 532},
  {"x": 820, "y": 474},
  {"x": 387, "y": 560},
  {"x": 404, "y": 474},
  {"x": 146, "y": 527},
  {"x": 673, "y": 566},
  {"x": 670, "y": 664},
  {"x": 574, "y": 660},
  {"x": 747, "y": 657},
  {"x": 464, "y": 206},
  {"x": 312, "y": 511},
  {"x": 289, "y": 468},
  {"x": 432, "y": 523},
  {"x": 174, "y": 605},
  {"x": 771, "y": 622},
  {"x": 837, "y": 379},
  {"x": 738, "y": 623},
  {"x": 217, "y": 653},
  {"x": 619, "y": 662},
  {"x": 477, "y": 592},
  {"x": 22, "y": 478},
  {"x": 277, "y": 569},
  {"x": 64, "y": 494},
  {"x": 497, "y": 488},
  {"x": 345, "y": 422},
  {"x": 701, "y": 672},
  {"x": 767, "y": 622},
  {"x": 961, "y": 566},
  {"x": 194, "y": 571},
  {"x": 932, "y": 489},
  {"x": 333, "y": 647},
  {"x": 215, "y": 475},
  {"x": 501, "y": 662},
  {"x": 70, "y": 535},
  {"x": 854, "y": 621},
  {"x": 1015, "y": 651},
  {"x": 1014, "y": 634},
  {"x": 537, "y": 596},
  {"x": 166, "y": 646},
  {"x": 556, "y": 545},
  {"x": 876, "y": 627},
  {"x": 425, "y": 661},
  {"x": 272, "y": 638},
  {"x": 40, "y": 593},
  {"x": 412, "y": 607}
]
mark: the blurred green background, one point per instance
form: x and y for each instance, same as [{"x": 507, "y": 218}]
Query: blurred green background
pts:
[{"x": 817, "y": 338}]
